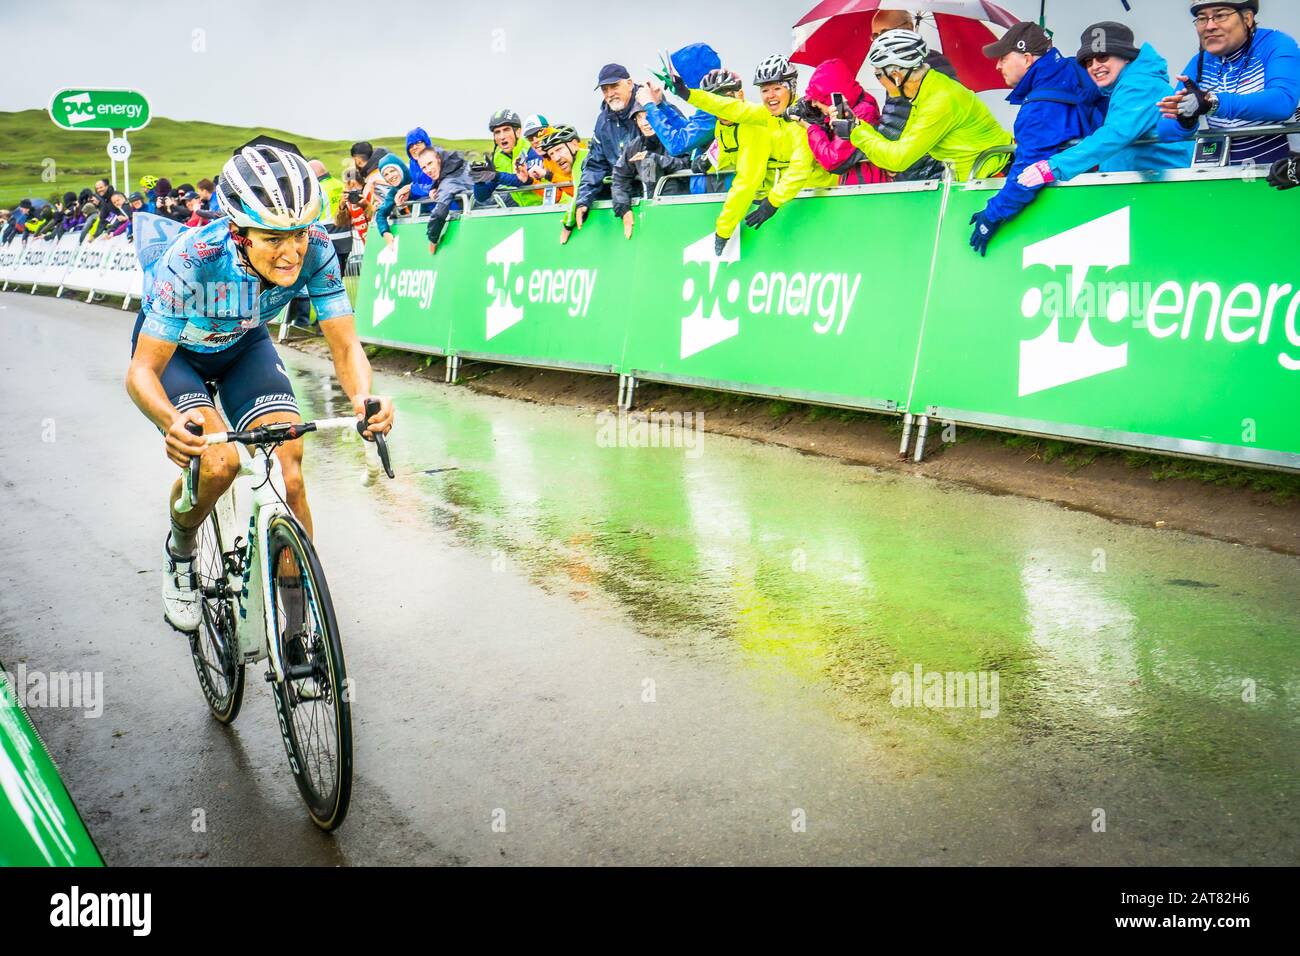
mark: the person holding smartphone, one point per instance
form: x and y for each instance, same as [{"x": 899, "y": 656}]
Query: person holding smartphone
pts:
[{"x": 835, "y": 93}]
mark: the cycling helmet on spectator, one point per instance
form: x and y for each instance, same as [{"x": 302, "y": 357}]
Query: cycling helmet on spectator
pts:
[
  {"x": 558, "y": 137},
  {"x": 148, "y": 182},
  {"x": 1238, "y": 5},
  {"x": 265, "y": 187},
  {"x": 900, "y": 49},
  {"x": 504, "y": 118},
  {"x": 535, "y": 124},
  {"x": 721, "y": 82},
  {"x": 775, "y": 69}
]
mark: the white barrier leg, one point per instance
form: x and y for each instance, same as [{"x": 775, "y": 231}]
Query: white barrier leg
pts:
[
  {"x": 626, "y": 392},
  {"x": 907, "y": 436},
  {"x": 920, "y": 439}
]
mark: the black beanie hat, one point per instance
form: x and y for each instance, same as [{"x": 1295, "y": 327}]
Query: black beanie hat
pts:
[{"x": 1107, "y": 38}]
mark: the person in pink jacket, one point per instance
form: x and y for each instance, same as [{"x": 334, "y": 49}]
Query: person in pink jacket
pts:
[{"x": 835, "y": 154}]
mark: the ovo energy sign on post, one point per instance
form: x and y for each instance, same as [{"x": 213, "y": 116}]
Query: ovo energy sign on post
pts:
[
  {"x": 99, "y": 109},
  {"x": 110, "y": 110}
]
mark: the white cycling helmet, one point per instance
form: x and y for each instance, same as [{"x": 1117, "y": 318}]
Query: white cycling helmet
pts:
[
  {"x": 775, "y": 69},
  {"x": 265, "y": 187},
  {"x": 903, "y": 49}
]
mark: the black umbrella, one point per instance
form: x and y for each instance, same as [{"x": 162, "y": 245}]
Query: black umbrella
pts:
[{"x": 264, "y": 140}]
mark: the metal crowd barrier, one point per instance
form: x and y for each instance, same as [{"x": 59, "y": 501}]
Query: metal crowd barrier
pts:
[{"x": 1206, "y": 135}]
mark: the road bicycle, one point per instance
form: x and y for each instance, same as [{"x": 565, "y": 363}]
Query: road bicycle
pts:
[{"x": 265, "y": 598}]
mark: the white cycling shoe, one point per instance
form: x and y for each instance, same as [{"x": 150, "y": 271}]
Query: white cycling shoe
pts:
[{"x": 182, "y": 602}]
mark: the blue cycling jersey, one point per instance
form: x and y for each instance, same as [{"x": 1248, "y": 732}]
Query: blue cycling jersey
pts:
[{"x": 199, "y": 295}]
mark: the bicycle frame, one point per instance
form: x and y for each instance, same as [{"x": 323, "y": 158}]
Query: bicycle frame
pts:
[{"x": 252, "y": 501}]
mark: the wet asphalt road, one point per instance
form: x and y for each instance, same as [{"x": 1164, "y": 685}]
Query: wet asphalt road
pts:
[{"x": 501, "y": 712}]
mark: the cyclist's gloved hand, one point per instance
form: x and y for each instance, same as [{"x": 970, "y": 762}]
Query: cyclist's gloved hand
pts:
[
  {"x": 1194, "y": 104},
  {"x": 985, "y": 229},
  {"x": 1039, "y": 174},
  {"x": 761, "y": 214},
  {"x": 719, "y": 243},
  {"x": 1285, "y": 173}
]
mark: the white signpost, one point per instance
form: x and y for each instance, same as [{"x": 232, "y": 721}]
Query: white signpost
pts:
[{"x": 119, "y": 150}]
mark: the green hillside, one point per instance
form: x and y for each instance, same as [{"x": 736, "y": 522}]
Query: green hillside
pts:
[{"x": 181, "y": 150}]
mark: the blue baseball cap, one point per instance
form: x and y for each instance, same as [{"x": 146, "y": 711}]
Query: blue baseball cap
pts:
[{"x": 612, "y": 73}]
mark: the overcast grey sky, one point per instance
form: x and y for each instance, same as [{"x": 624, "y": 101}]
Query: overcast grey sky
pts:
[{"x": 356, "y": 70}]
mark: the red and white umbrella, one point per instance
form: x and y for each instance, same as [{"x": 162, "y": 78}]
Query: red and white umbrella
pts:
[{"x": 842, "y": 28}]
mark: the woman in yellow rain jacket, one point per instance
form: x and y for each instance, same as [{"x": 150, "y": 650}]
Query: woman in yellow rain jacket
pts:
[
  {"x": 773, "y": 160},
  {"x": 947, "y": 121}
]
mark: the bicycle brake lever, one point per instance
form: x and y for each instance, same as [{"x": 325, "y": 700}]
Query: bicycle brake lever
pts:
[
  {"x": 372, "y": 408},
  {"x": 192, "y": 472}
]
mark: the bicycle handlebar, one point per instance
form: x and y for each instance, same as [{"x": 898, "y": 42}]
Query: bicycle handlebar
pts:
[
  {"x": 289, "y": 431},
  {"x": 273, "y": 434}
]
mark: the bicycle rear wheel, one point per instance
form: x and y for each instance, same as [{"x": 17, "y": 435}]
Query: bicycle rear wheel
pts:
[
  {"x": 312, "y": 703},
  {"x": 214, "y": 647}
]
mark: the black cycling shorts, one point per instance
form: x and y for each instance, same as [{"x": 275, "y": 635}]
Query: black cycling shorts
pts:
[{"x": 247, "y": 377}]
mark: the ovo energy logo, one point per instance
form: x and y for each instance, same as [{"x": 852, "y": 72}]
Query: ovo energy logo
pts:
[
  {"x": 78, "y": 109},
  {"x": 571, "y": 289},
  {"x": 825, "y": 297},
  {"x": 82, "y": 108},
  {"x": 701, "y": 331},
  {"x": 1203, "y": 312},
  {"x": 392, "y": 284},
  {"x": 1049, "y": 361},
  {"x": 502, "y": 311}
]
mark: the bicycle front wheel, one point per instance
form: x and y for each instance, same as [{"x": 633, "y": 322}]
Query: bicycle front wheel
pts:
[
  {"x": 312, "y": 702},
  {"x": 214, "y": 648}
]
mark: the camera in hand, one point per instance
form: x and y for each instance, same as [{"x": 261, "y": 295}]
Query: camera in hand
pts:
[{"x": 806, "y": 110}]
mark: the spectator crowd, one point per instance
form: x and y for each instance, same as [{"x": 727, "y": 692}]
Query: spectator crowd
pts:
[
  {"x": 1111, "y": 106},
  {"x": 101, "y": 211}
]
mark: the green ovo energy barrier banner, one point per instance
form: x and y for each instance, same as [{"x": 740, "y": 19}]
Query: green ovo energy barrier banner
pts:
[
  {"x": 1159, "y": 315},
  {"x": 526, "y": 298},
  {"x": 1121, "y": 312},
  {"x": 823, "y": 303},
  {"x": 399, "y": 301},
  {"x": 798, "y": 309}
]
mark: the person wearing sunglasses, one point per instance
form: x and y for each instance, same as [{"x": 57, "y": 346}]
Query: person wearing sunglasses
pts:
[{"x": 1131, "y": 78}]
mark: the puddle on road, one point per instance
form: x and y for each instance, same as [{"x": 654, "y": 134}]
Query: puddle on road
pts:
[{"x": 1128, "y": 644}]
